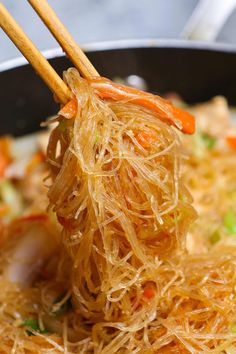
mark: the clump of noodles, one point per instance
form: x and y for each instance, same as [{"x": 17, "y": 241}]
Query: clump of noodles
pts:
[
  {"x": 122, "y": 281},
  {"x": 125, "y": 213}
]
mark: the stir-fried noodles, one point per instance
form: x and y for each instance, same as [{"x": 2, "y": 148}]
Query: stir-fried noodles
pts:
[{"x": 130, "y": 267}]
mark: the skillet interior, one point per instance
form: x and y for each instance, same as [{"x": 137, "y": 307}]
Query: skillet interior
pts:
[{"x": 195, "y": 73}]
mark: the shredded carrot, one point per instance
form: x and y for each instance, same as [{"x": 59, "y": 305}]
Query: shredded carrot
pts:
[
  {"x": 17, "y": 225},
  {"x": 146, "y": 139},
  {"x": 34, "y": 217},
  {"x": 134, "y": 173},
  {"x": 171, "y": 348},
  {"x": 69, "y": 110},
  {"x": 164, "y": 109},
  {"x": 4, "y": 209},
  {"x": 231, "y": 141},
  {"x": 36, "y": 159},
  {"x": 5, "y": 157},
  {"x": 186, "y": 119},
  {"x": 3, "y": 165},
  {"x": 149, "y": 292}
]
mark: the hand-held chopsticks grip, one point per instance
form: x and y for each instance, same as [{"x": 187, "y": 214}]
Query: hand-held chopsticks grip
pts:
[
  {"x": 63, "y": 37},
  {"x": 33, "y": 55}
]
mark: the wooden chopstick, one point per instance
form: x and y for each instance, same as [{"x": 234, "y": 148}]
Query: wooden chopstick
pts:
[
  {"x": 33, "y": 55},
  {"x": 64, "y": 38}
]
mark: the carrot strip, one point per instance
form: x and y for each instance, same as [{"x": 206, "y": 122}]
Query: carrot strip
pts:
[
  {"x": 34, "y": 162},
  {"x": 69, "y": 110},
  {"x": 34, "y": 217},
  {"x": 5, "y": 158},
  {"x": 3, "y": 165},
  {"x": 187, "y": 120},
  {"x": 164, "y": 109},
  {"x": 231, "y": 141},
  {"x": 4, "y": 209},
  {"x": 146, "y": 139},
  {"x": 148, "y": 293}
]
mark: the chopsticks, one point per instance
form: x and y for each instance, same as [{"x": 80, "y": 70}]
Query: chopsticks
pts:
[
  {"x": 34, "y": 56},
  {"x": 64, "y": 38}
]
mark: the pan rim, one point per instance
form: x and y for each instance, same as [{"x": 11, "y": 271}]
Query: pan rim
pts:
[{"x": 126, "y": 44}]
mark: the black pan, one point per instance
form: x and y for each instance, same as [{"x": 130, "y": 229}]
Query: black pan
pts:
[{"x": 195, "y": 71}]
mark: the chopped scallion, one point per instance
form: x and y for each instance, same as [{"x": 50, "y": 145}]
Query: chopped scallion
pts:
[
  {"x": 97, "y": 138},
  {"x": 32, "y": 324},
  {"x": 230, "y": 222},
  {"x": 209, "y": 141},
  {"x": 233, "y": 328}
]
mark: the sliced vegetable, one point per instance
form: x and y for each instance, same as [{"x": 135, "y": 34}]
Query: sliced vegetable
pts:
[
  {"x": 230, "y": 222},
  {"x": 187, "y": 120},
  {"x": 4, "y": 210},
  {"x": 11, "y": 197},
  {"x": 97, "y": 138},
  {"x": 231, "y": 141},
  {"x": 69, "y": 110},
  {"x": 22, "y": 149},
  {"x": 164, "y": 109},
  {"x": 3, "y": 165},
  {"x": 209, "y": 140},
  {"x": 34, "y": 217},
  {"x": 146, "y": 139},
  {"x": 32, "y": 324},
  {"x": 233, "y": 328},
  {"x": 34, "y": 244},
  {"x": 149, "y": 291},
  {"x": 5, "y": 155},
  {"x": 34, "y": 162},
  {"x": 202, "y": 141}
]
